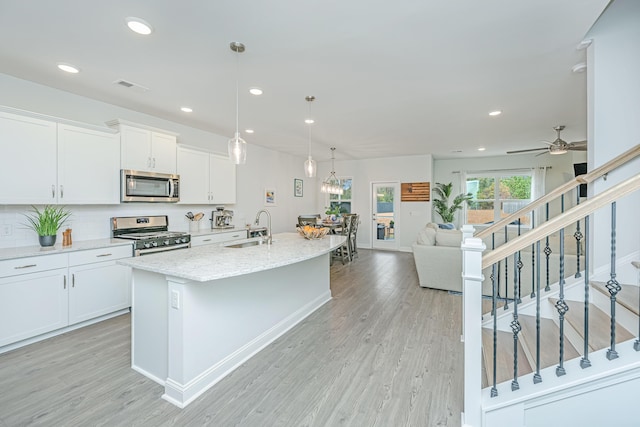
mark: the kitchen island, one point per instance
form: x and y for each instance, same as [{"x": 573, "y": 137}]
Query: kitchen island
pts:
[{"x": 199, "y": 313}]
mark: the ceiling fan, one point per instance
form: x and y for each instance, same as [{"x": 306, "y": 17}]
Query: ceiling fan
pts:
[{"x": 559, "y": 146}]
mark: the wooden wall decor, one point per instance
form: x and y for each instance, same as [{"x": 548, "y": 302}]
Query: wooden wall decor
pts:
[{"x": 415, "y": 192}]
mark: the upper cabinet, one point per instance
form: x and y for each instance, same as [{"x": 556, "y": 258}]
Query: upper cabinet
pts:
[
  {"x": 47, "y": 162},
  {"x": 205, "y": 178},
  {"x": 144, "y": 148}
]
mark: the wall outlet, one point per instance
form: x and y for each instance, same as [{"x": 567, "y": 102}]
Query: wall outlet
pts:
[
  {"x": 6, "y": 230},
  {"x": 175, "y": 300}
]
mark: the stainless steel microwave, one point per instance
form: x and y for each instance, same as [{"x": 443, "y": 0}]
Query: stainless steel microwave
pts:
[{"x": 141, "y": 186}]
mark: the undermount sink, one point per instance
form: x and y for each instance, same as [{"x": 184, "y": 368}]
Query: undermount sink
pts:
[{"x": 245, "y": 244}]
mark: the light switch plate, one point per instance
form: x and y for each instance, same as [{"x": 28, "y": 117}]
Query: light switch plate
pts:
[{"x": 175, "y": 300}]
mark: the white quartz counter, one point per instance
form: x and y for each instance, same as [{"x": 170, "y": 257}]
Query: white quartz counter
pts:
[
  {"x": 214, "y": 262},
  {"x": 83, "y": 245}
]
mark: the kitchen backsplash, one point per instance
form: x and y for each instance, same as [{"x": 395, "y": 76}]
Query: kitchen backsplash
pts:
[{"x": 93, "y": 222}]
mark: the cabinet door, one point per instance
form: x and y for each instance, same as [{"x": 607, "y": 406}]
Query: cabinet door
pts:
[
  {"x": 32, "y": 304},
  {"x": 88, "y": 166},
  {"x": 222, "y": 180},
  {"x": 193, "y": 168},
  {"x": 28, "y": 161},
  {"x": 212, "y": 239},
  {"x": 135, "y": 146},
  {"x": 163, "y": 153},
  {"x": 98, "y": 289}
]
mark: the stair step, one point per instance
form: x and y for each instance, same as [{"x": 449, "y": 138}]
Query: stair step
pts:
[
  {"x": 504, "y": 357},
  {"x": 599, "y": 325},
  {"x": 549, "y": 341},
  {"x": 627, "y": 297}
]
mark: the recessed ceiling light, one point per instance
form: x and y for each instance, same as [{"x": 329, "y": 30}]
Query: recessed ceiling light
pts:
[
  {"x": 579, "y": 68},
  {"x": 139, "y": 26},
  {"x": 495, "y": 113},
  {"x": 248, "y": 130},
  {"x": 309, "y": 121},
  {"x": 187, "y": 109},
  {"x": 68, "y": 68},
  {"x": 481, "y": 148},
  {"x": 255, "y": 91}
]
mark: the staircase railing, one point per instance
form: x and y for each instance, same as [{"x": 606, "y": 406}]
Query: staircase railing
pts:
[{"x": 474, "y": 262}]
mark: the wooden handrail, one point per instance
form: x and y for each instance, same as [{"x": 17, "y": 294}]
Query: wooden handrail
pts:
[
  {"x": 581, "y": 179},
  {"x": 569, "y": 217}
]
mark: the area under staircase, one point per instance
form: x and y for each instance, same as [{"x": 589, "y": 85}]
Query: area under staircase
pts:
[{"x": 559, "y": 354}]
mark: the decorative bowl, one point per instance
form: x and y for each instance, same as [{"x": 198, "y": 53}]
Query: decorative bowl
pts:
[{"x": 310, "y": 232}]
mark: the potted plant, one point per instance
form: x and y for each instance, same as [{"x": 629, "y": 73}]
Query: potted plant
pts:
[
  {"x": 47, "y": 222},
  {"x": 442, "y": 207}
]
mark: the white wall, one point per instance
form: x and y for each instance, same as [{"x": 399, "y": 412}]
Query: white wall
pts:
[
  {"x": 412, "y": 215},
  {"x": 614, "y": 124},
  {"x": 264, "y": 168}
]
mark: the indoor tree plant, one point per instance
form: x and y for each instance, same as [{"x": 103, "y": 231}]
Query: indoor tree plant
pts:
[
  {"x": 442, "y": 207},
  {"x": 47, "y": 222}
]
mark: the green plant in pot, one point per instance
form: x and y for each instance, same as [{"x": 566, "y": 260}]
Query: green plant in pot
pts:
[
  {"x": 47, "y": 222},
  {"x": 441, "y": 205}
]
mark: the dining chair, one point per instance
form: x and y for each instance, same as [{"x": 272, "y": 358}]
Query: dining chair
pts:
[
  {"x": 343, "y": 252},
  {"x": 353, "y": 252}
]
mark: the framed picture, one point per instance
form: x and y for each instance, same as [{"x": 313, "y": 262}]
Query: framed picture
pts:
[
  {"x": 297, "y": 187},
  {"x": 270, "y": 197}
]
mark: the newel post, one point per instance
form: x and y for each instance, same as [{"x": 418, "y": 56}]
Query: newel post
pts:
[{"x": 472, "y": 248}]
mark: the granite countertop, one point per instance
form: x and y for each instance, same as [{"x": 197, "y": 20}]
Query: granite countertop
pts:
[
  {"x": 211, "y": 262},
  {"x": 83, "y": 245},
  {"x": 209, "y": 231}
]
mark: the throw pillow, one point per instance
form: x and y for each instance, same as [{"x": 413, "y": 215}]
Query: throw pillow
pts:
[
  {"x": 447, "y": 226},
  {"x": 432, "y": 225},
  {"x": 427, "y": 236}
]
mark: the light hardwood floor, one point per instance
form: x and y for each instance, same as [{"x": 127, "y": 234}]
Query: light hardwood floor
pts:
[{"x": 383, "y": 352}]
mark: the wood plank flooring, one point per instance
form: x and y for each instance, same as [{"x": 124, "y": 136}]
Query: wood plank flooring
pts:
[{"x": 383, "y": 352}]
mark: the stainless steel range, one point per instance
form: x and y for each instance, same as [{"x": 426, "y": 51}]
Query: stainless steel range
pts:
[{"x": 150, "y": 234}]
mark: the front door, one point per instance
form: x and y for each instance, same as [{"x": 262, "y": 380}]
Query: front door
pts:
[{"x": 384, "y": 218}]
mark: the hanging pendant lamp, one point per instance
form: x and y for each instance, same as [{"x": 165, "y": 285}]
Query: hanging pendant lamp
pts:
[
  {"x": 237, "y": 146},
  {"x": 331, "y": 185},
  {"x": 309, "y": 164}
]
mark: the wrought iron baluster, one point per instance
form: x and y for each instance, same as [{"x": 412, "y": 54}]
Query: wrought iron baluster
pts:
[
  {"x": 584, "y": 362},
  {"x": 561, "y": 246},
  {"x": 494, "y": 389},
  {"x": 519, "y": 266},
  {"x": 516, "y": 328},
  {"x": 578, "y": 236},
  {"x": 547, "y": 250},
  {"x": 537, "y": 378},
  {"x": 533, "y": 256},
  {"x": 636, "y": 345},
  {"x": 562, "y": 308},
  {"x": 613, "y": 286},
  {"x": 506, "y": 274}
]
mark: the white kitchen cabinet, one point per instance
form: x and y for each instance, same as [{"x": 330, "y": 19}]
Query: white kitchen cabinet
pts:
[
  {"x": 146, "y": 149},
  {"x": 98, "y": 285},
  {"x": 205, "y": 178},
  {"x": 88, "y": 166},
  {"x": 27, "y": 160},
  {"x": 219, "y": 237},
  {"x": 33, "y": 297}
]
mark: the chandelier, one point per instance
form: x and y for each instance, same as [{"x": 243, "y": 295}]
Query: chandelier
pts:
[{"x": 331, "y": 185}]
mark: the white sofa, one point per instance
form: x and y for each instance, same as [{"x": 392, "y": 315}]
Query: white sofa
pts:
[{"x": 438, "y": 259}]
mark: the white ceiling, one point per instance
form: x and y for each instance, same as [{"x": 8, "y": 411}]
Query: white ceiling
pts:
[{"x": 390, "y": 78}]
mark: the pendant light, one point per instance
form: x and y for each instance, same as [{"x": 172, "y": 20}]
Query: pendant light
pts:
[
  {"x": 332, "y": 184},
  {"x": 237, "y": 146},
  {"x": 309, "y": 164}
]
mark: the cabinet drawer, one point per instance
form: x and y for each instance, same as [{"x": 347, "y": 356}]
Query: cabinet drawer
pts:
[
  {"x": 210, "y": 239},
  {"x": 100, "y": 255},
  {"x": 14, "y": 267}
]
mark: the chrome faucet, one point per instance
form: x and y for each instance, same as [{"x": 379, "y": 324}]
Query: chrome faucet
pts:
[{"x": 268, "y": 237}]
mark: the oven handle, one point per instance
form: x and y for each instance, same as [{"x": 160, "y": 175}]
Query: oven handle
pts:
[{"x": 140, "y": 252}]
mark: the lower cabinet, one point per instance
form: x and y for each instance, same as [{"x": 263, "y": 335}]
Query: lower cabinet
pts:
[
  {"x": 33, "y": 304},
  {"x": 45, "y": 293},
  {"x": 221, "y": 237}
]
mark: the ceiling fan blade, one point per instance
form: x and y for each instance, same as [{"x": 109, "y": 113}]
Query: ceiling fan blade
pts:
[{"x": 527, "y": 151}]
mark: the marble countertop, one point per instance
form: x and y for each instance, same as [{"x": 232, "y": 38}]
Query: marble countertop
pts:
[
  {"x": 83, "y": 245},
  {"x": 209, "y": 231},
  {"x": 211, "y": 262}
]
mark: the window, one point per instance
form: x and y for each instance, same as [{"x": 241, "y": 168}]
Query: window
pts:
[
  {"x": 342, "y": 200},
  {"x": 493, "y": 202}
]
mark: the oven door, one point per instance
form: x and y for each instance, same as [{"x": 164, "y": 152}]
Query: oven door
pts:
[
  {"x": 142, "y": 252},
  {"x": 139, "y": 186}
]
